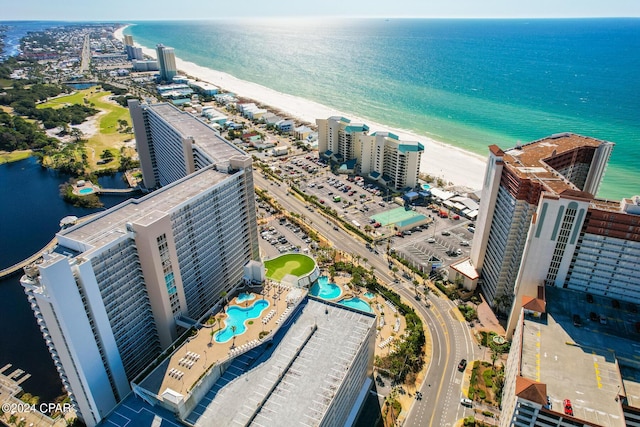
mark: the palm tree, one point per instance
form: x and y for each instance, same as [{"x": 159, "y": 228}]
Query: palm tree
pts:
[
  {"x": 223, "y": 295},
  {"x": 233, "y": 330}
]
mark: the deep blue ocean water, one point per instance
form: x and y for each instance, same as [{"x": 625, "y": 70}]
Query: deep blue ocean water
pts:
[{"x": 470, "y": 83}]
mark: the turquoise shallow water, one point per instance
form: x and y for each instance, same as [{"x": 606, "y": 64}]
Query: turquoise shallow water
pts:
[
  {"x": 356, "y": 303},
  {"x": 323, "y": 289},
  {"x": 470, "y": 83},
  {"x": 237, "y": 317}
]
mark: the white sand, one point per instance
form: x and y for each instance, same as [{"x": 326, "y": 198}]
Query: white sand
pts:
[{"x": 453, "y": 164}]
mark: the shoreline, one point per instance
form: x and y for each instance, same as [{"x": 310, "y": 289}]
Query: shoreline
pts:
[{"x": 440, "y": 160}]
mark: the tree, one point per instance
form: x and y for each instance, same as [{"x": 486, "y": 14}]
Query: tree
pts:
[
  {"x": 223, "y": 295},
  {"x": 233, "y": 330},
  {"x": 107, "y": 155},
  {"x": 76, "y": 133}
]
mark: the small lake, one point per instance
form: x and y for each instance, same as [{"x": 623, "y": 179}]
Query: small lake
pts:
[{"x": 30, "y": 216}]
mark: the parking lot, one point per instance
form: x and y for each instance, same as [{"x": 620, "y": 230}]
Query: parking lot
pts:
[
  {"x": 278, "y": 236},
  {"x": 444, "y": 242},
  {"x": 364, "y": 205}
]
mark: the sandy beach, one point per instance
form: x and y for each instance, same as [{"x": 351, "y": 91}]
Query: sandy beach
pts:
[{"x": 441, "y": 160}]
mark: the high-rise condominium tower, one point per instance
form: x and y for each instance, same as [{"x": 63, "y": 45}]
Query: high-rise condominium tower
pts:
[{"x": 118, "y": 288}]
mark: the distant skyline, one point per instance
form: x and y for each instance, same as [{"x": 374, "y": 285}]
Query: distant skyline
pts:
[{"x": 123, "y": 11}]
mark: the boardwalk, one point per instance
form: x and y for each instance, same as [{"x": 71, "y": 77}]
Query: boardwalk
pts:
[
  {"x": 33, "y": 258},
  {"x": 22, "y": 264}
]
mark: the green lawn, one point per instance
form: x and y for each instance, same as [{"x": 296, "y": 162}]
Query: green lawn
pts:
[
  {"x": 296, "y": 264},
  {"x": 14, "y": 156},
  {"x": 108, "y": 136},
  {"x": 63, "y": 101}
]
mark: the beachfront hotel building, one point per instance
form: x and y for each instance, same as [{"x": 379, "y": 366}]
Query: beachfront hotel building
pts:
[
  {"x": 166, "y": 62},
  {"x": 121, "y": 286},
  {"x": 381, "y": 156},
  {"x": 539, "y": 224},
  {"x": 133, "y": 53}
]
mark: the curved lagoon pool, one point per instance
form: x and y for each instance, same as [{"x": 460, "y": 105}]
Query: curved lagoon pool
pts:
[
  {"x": 356, "y": 303},
  {"x": 237, "y": 316},
  {"x": 245, "y": 296},
  {"x": 325, "y": 290}
]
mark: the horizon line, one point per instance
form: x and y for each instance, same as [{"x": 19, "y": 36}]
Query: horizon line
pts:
[{"x": 284, "y": 18}]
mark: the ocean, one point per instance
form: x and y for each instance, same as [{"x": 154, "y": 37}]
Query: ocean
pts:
[{"x": 469, "y": 83}]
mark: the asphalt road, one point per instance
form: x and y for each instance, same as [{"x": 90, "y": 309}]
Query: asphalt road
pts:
[
  {"x": 452, "y": 340},
  {"x": 86, "y": 55}
]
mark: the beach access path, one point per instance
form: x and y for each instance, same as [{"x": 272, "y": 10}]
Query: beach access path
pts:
[{"x": 452, "y": 164}]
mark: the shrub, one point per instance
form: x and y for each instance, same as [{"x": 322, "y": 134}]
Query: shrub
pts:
[{"x": 488, "y": 377}]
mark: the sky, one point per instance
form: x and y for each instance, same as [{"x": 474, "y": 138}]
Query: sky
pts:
[{"x": 136, "y": 10}]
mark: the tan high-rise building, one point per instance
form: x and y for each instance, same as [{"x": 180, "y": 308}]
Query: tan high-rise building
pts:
[
  {"x": 167, "y": 63},
  {"x": 540, "y": 224}
]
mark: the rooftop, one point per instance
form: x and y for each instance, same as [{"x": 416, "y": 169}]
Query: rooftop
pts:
[
  {"x": 583, "y": 364},
  {"x": 112, "y": 224},
  {"x": 302, "y": 352},
  {"x": 321, "y": 338},
  {"x": 529, "y": 161},
  {"x": 208, "y": 140},
  {"x": 208, "y": 351},
  {"x": 466, "y": 268}
]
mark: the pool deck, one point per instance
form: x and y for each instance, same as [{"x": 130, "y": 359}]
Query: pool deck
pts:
[
  {"x": 387, "y": 332},
  {"x": 185, "y": 366}
]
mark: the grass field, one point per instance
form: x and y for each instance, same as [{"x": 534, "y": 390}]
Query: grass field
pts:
[
  {"x": 295, "y": 264},
  {"x": 14, "y": 156},
  {"x": 107, "y": 136}
]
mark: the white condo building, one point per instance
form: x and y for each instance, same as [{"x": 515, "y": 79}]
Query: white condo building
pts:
[
  {"x": 539, "y": 224},
  {"x": 119, "y": 286},
  {"x": 381, "y": 156}
]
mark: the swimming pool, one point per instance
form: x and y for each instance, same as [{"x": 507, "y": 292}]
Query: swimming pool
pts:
[
  {"x": 245, "y": 296},
  {"x": 369, "y": 295},
  {"x": 356, "y": 303},
  {"x": 325, "y": 290},
  {"x": 237, "y": 316},
  {"x": 85, "y": 191},
  {"x": 426, "y": 186}
]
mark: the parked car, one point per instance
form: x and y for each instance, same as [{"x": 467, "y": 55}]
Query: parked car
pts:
[
  {"x": 431, "y": 240},
  {"x": 576, "y": 320},
  {"x": 466, "y": 402},
  {"x": 464, "y": 243}
]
